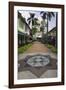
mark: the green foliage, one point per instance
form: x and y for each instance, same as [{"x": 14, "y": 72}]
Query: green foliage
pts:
[
  {"x": 35, "y": 21},
  {"x": 52, "y": 48},
  {"x": 34, "y": 30},
  {"x": 42, "y": 29},
  {"x": 24, "y": 48}
]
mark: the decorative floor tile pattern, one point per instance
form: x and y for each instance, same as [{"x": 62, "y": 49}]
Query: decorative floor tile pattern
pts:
[{"x": 36, "y": 72}]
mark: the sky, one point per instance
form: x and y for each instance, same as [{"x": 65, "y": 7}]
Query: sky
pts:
[{"x": 26, "y": 15}]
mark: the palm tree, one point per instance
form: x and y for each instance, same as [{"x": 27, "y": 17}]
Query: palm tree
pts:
[
  {"x": 33, "y": 21},
  {"x": 43, "y": 24},
  {"x": 43, "y": 17},
  {"x": 47, "y": 16},
  {"x": 30, "y": 19}
]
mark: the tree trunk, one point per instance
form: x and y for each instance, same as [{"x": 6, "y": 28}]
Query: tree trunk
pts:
[
  {"x": 56, "y": 30},
  {"x": 43, "y": 28},
  {"x": 47, "y": 29}
]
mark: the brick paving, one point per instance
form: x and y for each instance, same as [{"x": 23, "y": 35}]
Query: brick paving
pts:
[
  {"x": 38, "y": 71},
  {"x": 37, "y": 47},
  {"x": 26, "y": 71}
]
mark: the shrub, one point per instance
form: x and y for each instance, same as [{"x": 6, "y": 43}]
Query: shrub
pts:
[{"x": 22, "y": 49}]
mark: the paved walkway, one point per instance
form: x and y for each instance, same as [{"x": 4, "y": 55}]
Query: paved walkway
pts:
[
  {"x": 26, "y": 71},
  {"x": 37, "y": 47}
]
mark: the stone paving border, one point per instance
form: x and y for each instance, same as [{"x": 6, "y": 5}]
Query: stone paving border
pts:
[
  {"x": 37, "y": 48},
  {"x": 38, "y": 71}
]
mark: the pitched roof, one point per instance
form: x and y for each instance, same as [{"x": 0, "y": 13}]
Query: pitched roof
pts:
[
  {"x": 23, "y": 19},
  {"x": 54, "y": 29}
]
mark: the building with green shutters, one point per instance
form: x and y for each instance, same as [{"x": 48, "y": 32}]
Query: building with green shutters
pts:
[{"x": 23, "y": 31}]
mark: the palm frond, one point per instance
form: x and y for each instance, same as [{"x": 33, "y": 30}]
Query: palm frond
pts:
[
  {"x": 28, "y": 18},
  {"x": 29, "y": 22},
  {"x": 53, "y": 14},
  {"x": 32, "y": 15},
  {"x": 50, "y": 15},
  {"x": 41, "y": 12},
  {"x": 36, "y": 19},
  {"x": 44, "y": 15}
]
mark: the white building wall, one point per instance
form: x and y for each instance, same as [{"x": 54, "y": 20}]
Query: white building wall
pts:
[{"x": 21, "y": 26}]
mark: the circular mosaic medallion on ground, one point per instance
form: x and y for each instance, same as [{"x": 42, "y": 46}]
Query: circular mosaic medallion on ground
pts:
[{"x": 38, "y": 61}]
